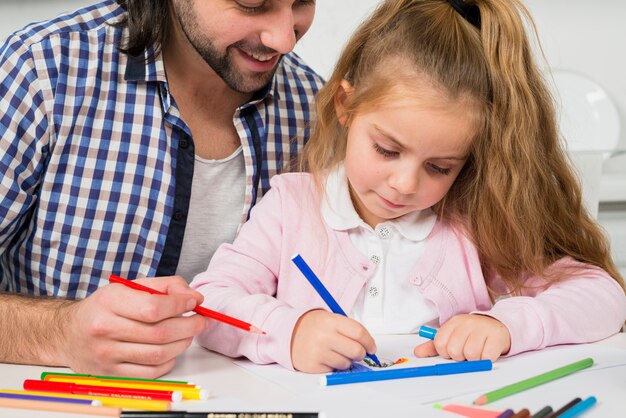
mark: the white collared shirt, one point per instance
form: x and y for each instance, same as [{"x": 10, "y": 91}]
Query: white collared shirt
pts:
[{"x": 389, "y": 303}]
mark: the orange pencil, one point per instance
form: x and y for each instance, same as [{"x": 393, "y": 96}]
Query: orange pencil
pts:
[
  {"x": 61, "y": 407},
  {"x": 198, "y": 309}
]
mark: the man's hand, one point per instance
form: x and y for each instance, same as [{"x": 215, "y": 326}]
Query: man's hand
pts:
[
  {"x": 468, "y": 337},
  {"x": 115, "y": 331},
  {"x": 323, "y": 342},
  {"x": 126, "y": 332}
]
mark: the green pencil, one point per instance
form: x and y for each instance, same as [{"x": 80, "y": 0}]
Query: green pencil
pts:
[
  {"x": 533, "y": 381},
  {"x": 134, "y": 379}
]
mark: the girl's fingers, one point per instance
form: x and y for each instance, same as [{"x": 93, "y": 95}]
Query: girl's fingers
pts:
[{"x": 426, "y": 349}]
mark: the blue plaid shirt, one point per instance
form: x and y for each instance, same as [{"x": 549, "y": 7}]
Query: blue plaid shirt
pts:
[{"x": 96, "y": 163}]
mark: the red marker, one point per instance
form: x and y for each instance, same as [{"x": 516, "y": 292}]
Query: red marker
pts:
[
  {"x": 143, "y": 394},
  {"x": 198, "y": 309}
]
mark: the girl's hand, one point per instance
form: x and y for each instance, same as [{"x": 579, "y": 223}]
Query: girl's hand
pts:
[
  {"x": 323, "y": 342},
  {"x": 468, "y": 337}
]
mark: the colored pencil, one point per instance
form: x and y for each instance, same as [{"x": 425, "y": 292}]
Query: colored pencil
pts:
[
  {"x": 323, "y": 292},
  {"x": 198, "y": 309},
  {"x": 47, "y": 386},
  {"x": 471, "y": 412},
  {"x": 507, "y": 413},
  {"x": 44, "y": 376},
  {"x": 189, "y": 393},
  {"x": 31, "y": 397},
  {"x": 105, "y": 400},
  {"x": 427, "y": 332},
  {"x": 579, "y": 408},
  {"x": 533, "y": 381},
  {"x": 524, "y": 413},
  {"x": 60, "y": 407},
  {"x": 403, "y": 373},
  {"x": 564, "y": 408},
  {"x": 543, "y": 412}
]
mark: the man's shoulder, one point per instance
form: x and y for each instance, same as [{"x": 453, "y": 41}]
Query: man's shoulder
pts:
[
  {"x": 87, "y": 19},
  {"x": 295, "y": 74}
]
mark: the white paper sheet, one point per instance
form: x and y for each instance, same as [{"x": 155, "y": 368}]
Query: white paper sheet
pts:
[{"x": 435, "y": 388}]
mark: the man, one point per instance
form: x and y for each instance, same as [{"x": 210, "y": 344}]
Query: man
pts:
[{"x": 135, "y": 138}]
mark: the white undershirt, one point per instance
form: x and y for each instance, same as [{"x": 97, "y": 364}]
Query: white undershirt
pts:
[
  {"x": 215, "y": 210},
  {"x": 389, "y": 303}
]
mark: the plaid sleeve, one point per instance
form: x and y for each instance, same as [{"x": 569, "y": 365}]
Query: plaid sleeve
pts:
[{"x": 24, "y": 138}]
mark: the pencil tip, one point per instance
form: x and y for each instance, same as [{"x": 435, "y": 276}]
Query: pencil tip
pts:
[
  {"x": 481, "y": 400},
  {"x": 257, "y": 330}
]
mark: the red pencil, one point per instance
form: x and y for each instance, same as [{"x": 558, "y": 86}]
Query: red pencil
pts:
[
  {"x": 61, "y": 387},
  {"x": 198, "y": 309}
]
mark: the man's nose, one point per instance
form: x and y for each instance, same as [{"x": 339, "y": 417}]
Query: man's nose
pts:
[{"x": 279, "y": 33}]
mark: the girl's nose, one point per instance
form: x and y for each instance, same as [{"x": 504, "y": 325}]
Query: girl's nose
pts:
[{"x": 405, "y": 182}]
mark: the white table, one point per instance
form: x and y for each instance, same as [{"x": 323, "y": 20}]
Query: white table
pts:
[{"x": 234, "y": 388}]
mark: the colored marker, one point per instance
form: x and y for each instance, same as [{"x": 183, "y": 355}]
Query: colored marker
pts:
[
  {"x": 579, "y": 408},
  {"x": 533, "y": 381},
  {"x": 323, "y": 292},
  {"x": 184, "y": 414},
  {"x": 564, "y": 408},
  {"x": 508, "y": 413},
  {"x": 543, "y": 412},
  {"x": 188, "y": 392},
  {"x": 47, "y": 386},
  {"x": 523, "y": 413},
  {"x": 198, "y": 309},
  {"x": 31, "y": 397},
  {"x": 125, "y": 403},
  {"x": 388, "y": 374},
  {"x": 60, "y": 407},
  {"x": 44, "y": 376},
  {"x": 427, "y": 332}
]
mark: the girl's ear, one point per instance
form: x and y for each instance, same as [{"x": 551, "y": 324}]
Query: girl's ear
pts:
[{"x": 341, "y": 96}]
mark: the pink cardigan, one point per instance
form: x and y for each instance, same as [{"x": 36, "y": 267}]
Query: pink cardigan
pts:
[{"x": 255, "y": 280}]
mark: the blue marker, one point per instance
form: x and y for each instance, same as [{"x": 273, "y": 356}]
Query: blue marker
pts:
[
  {"x": 323, "y": 292},
  {"x": 388, "y": 374},
  {"x": 579, "y": 408},
  {"x": 427, "y": 332}
]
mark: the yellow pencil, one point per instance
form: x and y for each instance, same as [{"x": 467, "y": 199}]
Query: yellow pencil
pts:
[
  {"x": 188, "y": 392},
  {"x": 106, "y": 401},
  {"x": 60, "y": 407}
]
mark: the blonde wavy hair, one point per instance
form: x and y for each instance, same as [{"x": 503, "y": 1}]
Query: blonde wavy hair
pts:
[{"x": 516, "y": 197}]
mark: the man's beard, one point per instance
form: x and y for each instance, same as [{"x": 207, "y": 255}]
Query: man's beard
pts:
[{"x": 223, "y": 64}]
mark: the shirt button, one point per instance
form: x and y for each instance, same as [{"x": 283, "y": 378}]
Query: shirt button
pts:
[
  {"x": 178, "y": 215},
  {"x": 184, "y": 144},
  {"x": 373, "y": 291},
  {"x": 375, "y": 259},
  {"x": 383, "y": 232}
]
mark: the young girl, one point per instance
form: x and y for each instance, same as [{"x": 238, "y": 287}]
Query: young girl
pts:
[{"x": 439, "y": 193}]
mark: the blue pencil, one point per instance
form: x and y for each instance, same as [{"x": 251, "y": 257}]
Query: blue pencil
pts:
[
  {"x": 427, "y": 332},
  {"x": 29, "y": 397},
  {"x": 579, "y": 408},
  {"x": 323, "y": 292},
  {"x": 388, "y": 374}
]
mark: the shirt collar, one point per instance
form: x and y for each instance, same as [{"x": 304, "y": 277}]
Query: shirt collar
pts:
[
  {"x": 147, "y": 67},
  {"x": 339, "y": 214}
]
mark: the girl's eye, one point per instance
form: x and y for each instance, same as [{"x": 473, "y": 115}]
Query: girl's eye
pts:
[
  {"x": 385, "y": 152},
  {"x": 439, "y": 170}
]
